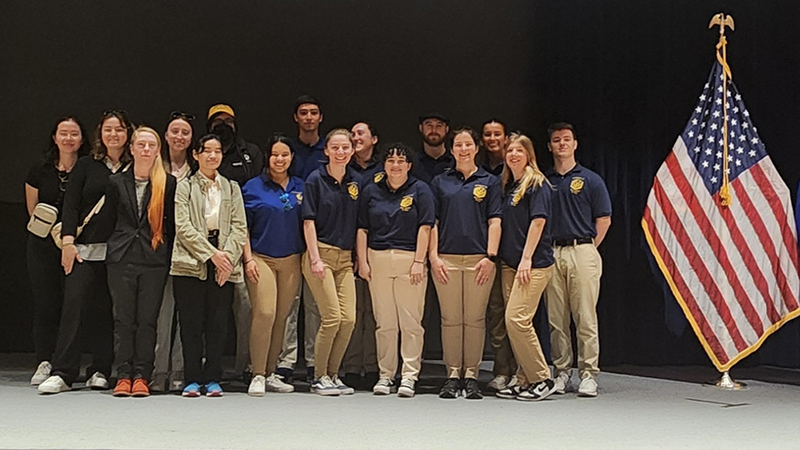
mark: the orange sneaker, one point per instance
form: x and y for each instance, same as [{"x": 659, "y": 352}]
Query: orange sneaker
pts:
[
  {"x": 123, "y": 388},
  {"x": 140, "y": 388}
]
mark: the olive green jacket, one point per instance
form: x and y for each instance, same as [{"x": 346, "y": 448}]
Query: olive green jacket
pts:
[{"x": 192, "y": 249}]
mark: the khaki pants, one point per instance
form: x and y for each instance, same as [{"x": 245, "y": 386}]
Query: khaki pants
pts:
[
  {"x": 336, "y": 300},
  {"x": 463, "y": 305},
  {"x": 522, "y": 301},
  {"x": 288, "y": 357},
  {"x": 573, "y": 290},
  {"x": 398, "y": 306},
  {"x": 504, "y": 363},
  {"x": 360, "y": 355},
  {"x": 271, "y": 299}
]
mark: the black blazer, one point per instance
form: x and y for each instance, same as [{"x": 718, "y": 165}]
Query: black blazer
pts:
[{"x": 130, "y": 241}]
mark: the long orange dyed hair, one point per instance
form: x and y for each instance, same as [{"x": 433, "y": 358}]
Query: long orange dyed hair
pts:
[{"x": 158, "y": 187}]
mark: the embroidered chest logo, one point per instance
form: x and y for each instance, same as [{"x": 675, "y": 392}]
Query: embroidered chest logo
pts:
[
  {"x": 576, "y": 185},
  {"x": 516, "y": 197},
  {"x": 406, "y": 202},
  {"x": 378, "y": 177},
  {"x": 479, "y": 192},
  {"x": 352, "y": 189},
  {"x": 299, "y": 197}
]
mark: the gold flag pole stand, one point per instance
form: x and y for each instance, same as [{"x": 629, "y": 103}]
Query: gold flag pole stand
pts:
[{"x": 725, "y": 382}]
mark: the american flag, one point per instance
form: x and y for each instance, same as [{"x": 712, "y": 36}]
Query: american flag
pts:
[{"x": 733, "y": 269}]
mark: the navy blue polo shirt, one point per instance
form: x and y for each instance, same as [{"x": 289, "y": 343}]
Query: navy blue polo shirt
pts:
[
  {"x": 392, "y": 218},
  {"x": 366, "y": 175},
  {"x": 333, "y": 207},
  {"x": 518, "y": 213},
  {"x": 580, "y": 197},
  {"x": 463, "y": 208},
  {"x": 274, "y": 216},
  {"x": 425, "y": 168},
  {"x": 307, "y": 158}
]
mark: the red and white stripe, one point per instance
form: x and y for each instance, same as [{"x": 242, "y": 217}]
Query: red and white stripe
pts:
[{"x": 734, "y": 269}]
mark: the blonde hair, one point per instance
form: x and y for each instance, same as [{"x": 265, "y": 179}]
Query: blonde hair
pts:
[
  {"x": 532, "y": 177},
  {"x": 158, "y": 185},
  {"x": 342, "y": 132}
]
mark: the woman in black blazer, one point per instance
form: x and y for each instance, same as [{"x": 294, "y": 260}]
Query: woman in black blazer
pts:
[{"x": 141, "y": 203}]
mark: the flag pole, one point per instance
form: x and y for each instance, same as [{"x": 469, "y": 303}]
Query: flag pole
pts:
[
  {"x": 724, "y": 21},
  {"x": 721, "y": 20}
]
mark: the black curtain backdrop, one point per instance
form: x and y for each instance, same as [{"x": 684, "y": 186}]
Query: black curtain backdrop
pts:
[{"x": 626, "y": 74}]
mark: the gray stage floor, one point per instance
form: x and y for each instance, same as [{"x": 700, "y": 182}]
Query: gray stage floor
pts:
[{"x": 631, "y": 412}]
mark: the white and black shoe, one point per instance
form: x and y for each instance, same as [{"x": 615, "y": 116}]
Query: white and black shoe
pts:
[
  {"x": 509, "y": 393},
  {"x": 451, "y": 388},
  {"x": 382, "y": 387},
  {"x": 537, "y": 391},
  {"x": 407, "y": 388},
  {"x": 325, "y": 387}
]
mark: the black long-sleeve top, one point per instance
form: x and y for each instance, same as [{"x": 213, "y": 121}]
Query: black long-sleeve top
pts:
[{"x": 87, "y": 183}]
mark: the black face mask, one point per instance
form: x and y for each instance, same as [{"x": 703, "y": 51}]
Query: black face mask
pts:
[{"x": 225, "y": 133}]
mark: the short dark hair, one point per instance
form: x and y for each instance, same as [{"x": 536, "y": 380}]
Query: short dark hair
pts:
[
  {"x": 465, "y": 129},
  {"x": 495, "y": 120},
  {"x": 398, "y": 149},
  {"x": 52, "y": 154},
  {"x": 306, "y": 99},
  {"x": 558, "y": 126},
  {"x": 202, "y": 142},
  {"x": 373, "y": 130}
]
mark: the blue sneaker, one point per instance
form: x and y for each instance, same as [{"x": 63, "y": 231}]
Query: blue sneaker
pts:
[
  {"x": 213, "y": 389},
  {"x": 192, "y": 390}
]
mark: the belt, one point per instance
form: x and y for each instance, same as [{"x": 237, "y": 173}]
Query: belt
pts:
[
  {"x": 573, "y": 242},
  {"x": 213, "y": 233}
]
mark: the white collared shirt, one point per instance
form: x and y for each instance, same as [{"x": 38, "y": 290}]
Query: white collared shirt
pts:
[{"x": 213, "y": 200}]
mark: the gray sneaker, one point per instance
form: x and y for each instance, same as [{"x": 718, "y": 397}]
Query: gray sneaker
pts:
[
  {"x": 275, "y": 383},
  {"x": 407, "y": 388},
  {"x": 324, "y": 386},
  {"x": 343, "y": 388},
  {"x": 97, "y": 381},
  {"x": 382, "y": 387},
  {"x": 42, "y": 373},
  {"x": 561, "y": 383}
]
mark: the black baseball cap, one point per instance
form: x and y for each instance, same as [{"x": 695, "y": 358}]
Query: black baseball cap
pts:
[{"x": 433, "y": 115}]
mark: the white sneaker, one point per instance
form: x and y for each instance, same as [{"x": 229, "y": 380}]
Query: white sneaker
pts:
[
  {"x": 407, "y": 388},
  {"x": 561, "y": 383},
  {"x": 257, "y": 388},
  {"x": 53, "y": 385},
  {"x": 343, "y": 388},
  {"x": 499, "y": 383},
  {"x": 42, "y": 373},
  {"x": 588, "y": 387},
  {"x": 275, "y": 384},
  {"x": 324, "y": 386},
  {"x": 97, "y": 381},
  {"x": 382, "y": 387}
]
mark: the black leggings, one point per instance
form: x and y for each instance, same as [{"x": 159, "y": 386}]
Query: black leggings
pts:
[{"x": 47, "y": 287}]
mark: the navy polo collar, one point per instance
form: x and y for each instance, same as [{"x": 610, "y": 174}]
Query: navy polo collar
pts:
[
  {"x": 481, "y": 172},
  {"x": 552, "y": 172}
]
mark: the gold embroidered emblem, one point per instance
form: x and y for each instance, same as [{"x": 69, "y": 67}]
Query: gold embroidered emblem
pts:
[
  {"x": 406, "y": 202},
  {"x": 378, "y": 177},
  {"x": 299, "y": 197},
  {"x": 576, "y": 185},
  {"x": 517, "y": 197},
  {"x": 352, "y": 189},
  {"x": 479, "y": 192}
]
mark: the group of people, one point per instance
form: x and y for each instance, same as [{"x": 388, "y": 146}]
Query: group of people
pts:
[{"x": 157, "y": 243}]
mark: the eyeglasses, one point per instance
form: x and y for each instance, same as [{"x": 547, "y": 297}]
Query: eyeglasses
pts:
[
  {"x": 182, "y": 115},
  {"x": 285, "y": 200}
]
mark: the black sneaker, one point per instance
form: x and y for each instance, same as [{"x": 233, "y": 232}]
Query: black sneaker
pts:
[
  {"x": 538, "y": 391},
  {"x": 451, "y": 388},
  {"x": 472, "y": 390},
  {"x": 352, "y": 379}
]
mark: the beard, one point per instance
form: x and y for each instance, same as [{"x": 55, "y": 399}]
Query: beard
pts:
[{"x": 432, "y": 139}]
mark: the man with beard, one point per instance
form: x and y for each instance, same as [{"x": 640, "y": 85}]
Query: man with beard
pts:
[
  {"x": 434, "y": 158},
  {"x": 241, "y": 161}
]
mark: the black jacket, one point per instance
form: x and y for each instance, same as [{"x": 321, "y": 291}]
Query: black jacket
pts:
[
  {"x": 130, "y": 241},
  {"x": 87, "y": 183}
]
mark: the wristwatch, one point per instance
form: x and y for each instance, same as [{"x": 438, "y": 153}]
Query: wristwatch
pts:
[{"x": 492, "y": 258}]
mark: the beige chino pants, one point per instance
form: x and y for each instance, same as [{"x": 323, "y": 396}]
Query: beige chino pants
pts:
[
  {"x": 335, "y": 295},
  {"x": 573, "y": 292},
  {"x": 463, "y": 305},
  {"x": 271, "y": 299},
  {"x": 522, "y": 301},
  {"x": 398, "y": 307}
]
